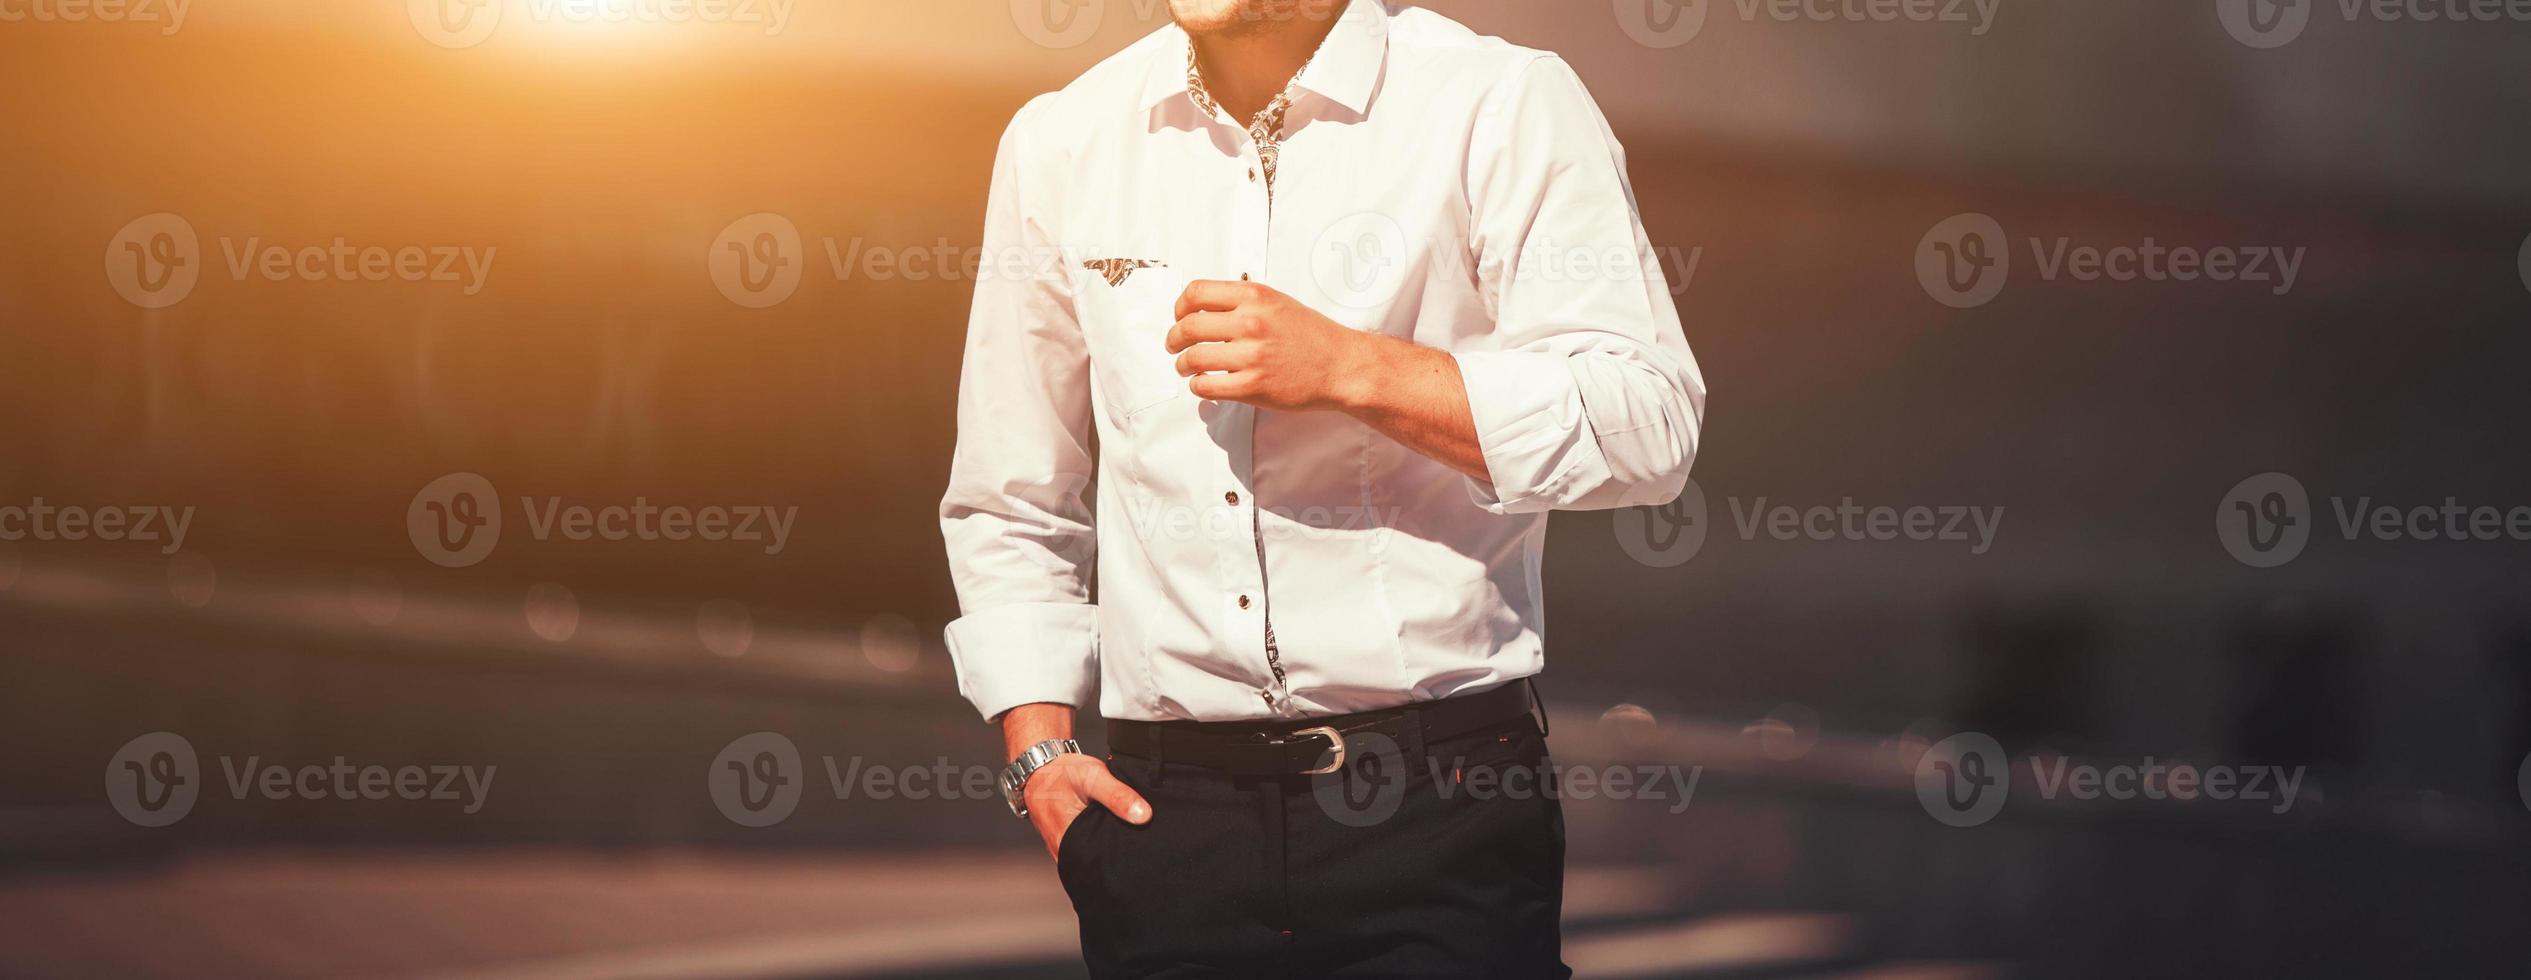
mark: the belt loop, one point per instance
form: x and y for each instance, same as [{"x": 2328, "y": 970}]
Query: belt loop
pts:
[
  {"x": 1159, "y": 755},
  {"x": 1538, "y": 702}
]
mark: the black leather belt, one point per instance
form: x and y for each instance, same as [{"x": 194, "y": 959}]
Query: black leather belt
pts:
[{"x": 1315, "y": 745}]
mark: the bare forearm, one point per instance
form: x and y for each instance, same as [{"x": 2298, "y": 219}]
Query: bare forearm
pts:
[
  {"x": 1414, "y": 394},
  {"x": 1246, "y": 342},
  {"x": 1030, "y": 724}
]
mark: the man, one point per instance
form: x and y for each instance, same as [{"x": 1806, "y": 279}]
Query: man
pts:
[{"x": 1349, "y": 297}]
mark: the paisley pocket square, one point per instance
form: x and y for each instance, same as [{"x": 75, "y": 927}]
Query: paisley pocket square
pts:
[{"x": 1115, "y": 270}]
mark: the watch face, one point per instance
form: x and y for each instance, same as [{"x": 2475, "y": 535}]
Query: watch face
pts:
[{"x": 1012, "y": 785}]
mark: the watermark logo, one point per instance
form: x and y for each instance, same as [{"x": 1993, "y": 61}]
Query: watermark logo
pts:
[
  {"x": 2265, "y": 520},
  {"x": 2264, "y": 24},
  {"x": 761, "y": 260},
  {"x": 154, "y": 780},
  {"x": 1671, "y": 23},
  {"x": 756, "y": 260},
  {"x": 1963, "y": 780},
  {"x": 2276, "y": 786},
  {"x": 1664, "y": 535},
  {"x": 1360, "y": 260},
  {"x": 41, "y": 520},
  {"x": 168, "y": 15},
  {"x": 455, "y": 520},
  {"x": 1057, "y": 23},
  {"x": 1962, "y": 261},
  {"x": 2522, "y": 262},
  {"x": 154, "y": 261},
  {"x": 1368, "y": 789},
  {"x": 1849, "y": 520},
  {"x": 1671, "y": 534},
  {"x": 756, "y": 779},
  {"x": 1371, "y": 785},
  {"x": 1357, "y": 263},
  {"x": 1661, "y": 23},
  {"x": 454, "y": 24},
  {"x": 2275, "y": 23},
  {"x": 1151, "y": 519}
]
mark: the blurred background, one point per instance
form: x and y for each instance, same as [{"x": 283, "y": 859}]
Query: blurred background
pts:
[{"x": 244, "y": 523}]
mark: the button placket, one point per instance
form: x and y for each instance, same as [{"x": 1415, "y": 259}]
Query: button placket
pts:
[{"x": 1251, "y": 224}]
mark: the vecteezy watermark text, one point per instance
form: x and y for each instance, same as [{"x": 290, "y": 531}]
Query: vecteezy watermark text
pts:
[
  {"x": 2275, "y": 786},
  {"x": 1851, "y": 521},
  {"x": 456, "y": 520},
  {"x": 756, "y": 780},
  {"x": 1964, "y": 261},
  {"x": 156, "y": 260},
  {"x": 1358, "y": 261},
  {"x": 1372, "y": 783},
  {"x": 1672, "y": 785},
  {"x": 1669, "y": 534},
  {"x": 341, "y": 261},
  {"x": 2266, "y": 520},
  {"x": 1672, "y": 23},
  {"x": 2275, "y": 23},
  {"x": 1964, "y": 780},
  {"x": 155, "y": 780},
  {"x": 168, "y": 15},
  {"x": 42, "y": 520}
]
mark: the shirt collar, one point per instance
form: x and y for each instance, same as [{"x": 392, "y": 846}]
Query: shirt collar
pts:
[
  {"x": 1344, "y": 71},
  {"x": 1347, "y": 66}
]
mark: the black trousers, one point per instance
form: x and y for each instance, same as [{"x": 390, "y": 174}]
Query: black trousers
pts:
[{"x": 1443, "y": 860}]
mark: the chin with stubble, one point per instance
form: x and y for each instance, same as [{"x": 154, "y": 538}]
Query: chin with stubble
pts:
[{"x": 1233, "y": 18}]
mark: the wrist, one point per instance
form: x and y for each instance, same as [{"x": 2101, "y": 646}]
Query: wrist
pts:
[
  {"x": 1032, "y": 760},
  {"x": 1363, "y": 372},
  {"x": 1030, "y": 724}
]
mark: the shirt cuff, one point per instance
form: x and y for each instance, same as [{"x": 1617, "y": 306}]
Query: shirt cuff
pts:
[
  {"x": 1528, "y": 414},
  {"x": 1026, "y": 653}
]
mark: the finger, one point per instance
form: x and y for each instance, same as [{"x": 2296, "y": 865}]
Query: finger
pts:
[
  {"x": 1235, "y": 386},
  {"x": 1214, "y": 294},
  {"x": 1118, "y": 798},
  {"x": 1228, "y": 356},
  {"x": 1204, "y": 327}
]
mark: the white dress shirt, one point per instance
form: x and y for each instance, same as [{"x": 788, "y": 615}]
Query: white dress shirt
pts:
[{"x": 1434, "y": 185}]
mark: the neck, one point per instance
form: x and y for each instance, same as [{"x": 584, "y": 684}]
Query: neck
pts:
[{"x": 1247, "y": 66}]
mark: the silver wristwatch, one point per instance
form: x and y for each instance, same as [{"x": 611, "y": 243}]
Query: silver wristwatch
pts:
[{"x": 1015, "y": 776}]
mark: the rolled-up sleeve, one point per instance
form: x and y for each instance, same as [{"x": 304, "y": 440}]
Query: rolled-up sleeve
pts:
[
  {"x": 1017, "y": 526},
  {"x": 1586, "y": 396}
]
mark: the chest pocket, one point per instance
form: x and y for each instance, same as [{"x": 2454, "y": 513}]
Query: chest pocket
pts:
[{"x": 1126, "y": 324}]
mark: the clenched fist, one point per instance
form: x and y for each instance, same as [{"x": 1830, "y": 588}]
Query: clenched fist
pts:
[{"x": 1246, "y": 342}]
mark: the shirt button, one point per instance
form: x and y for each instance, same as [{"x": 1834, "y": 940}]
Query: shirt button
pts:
[
  {"x": 1231, "y": 498},
  {"x": 1252, "y": 174},
  {"x": 1243, "y": 602},
  {"x": 1243, "y": 277}
]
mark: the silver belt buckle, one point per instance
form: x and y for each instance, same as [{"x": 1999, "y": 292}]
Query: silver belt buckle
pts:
[{"x": 1335, "y": 738}]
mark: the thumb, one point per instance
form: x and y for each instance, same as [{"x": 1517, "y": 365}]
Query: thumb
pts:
[{"x": 1118, "y": 798}]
